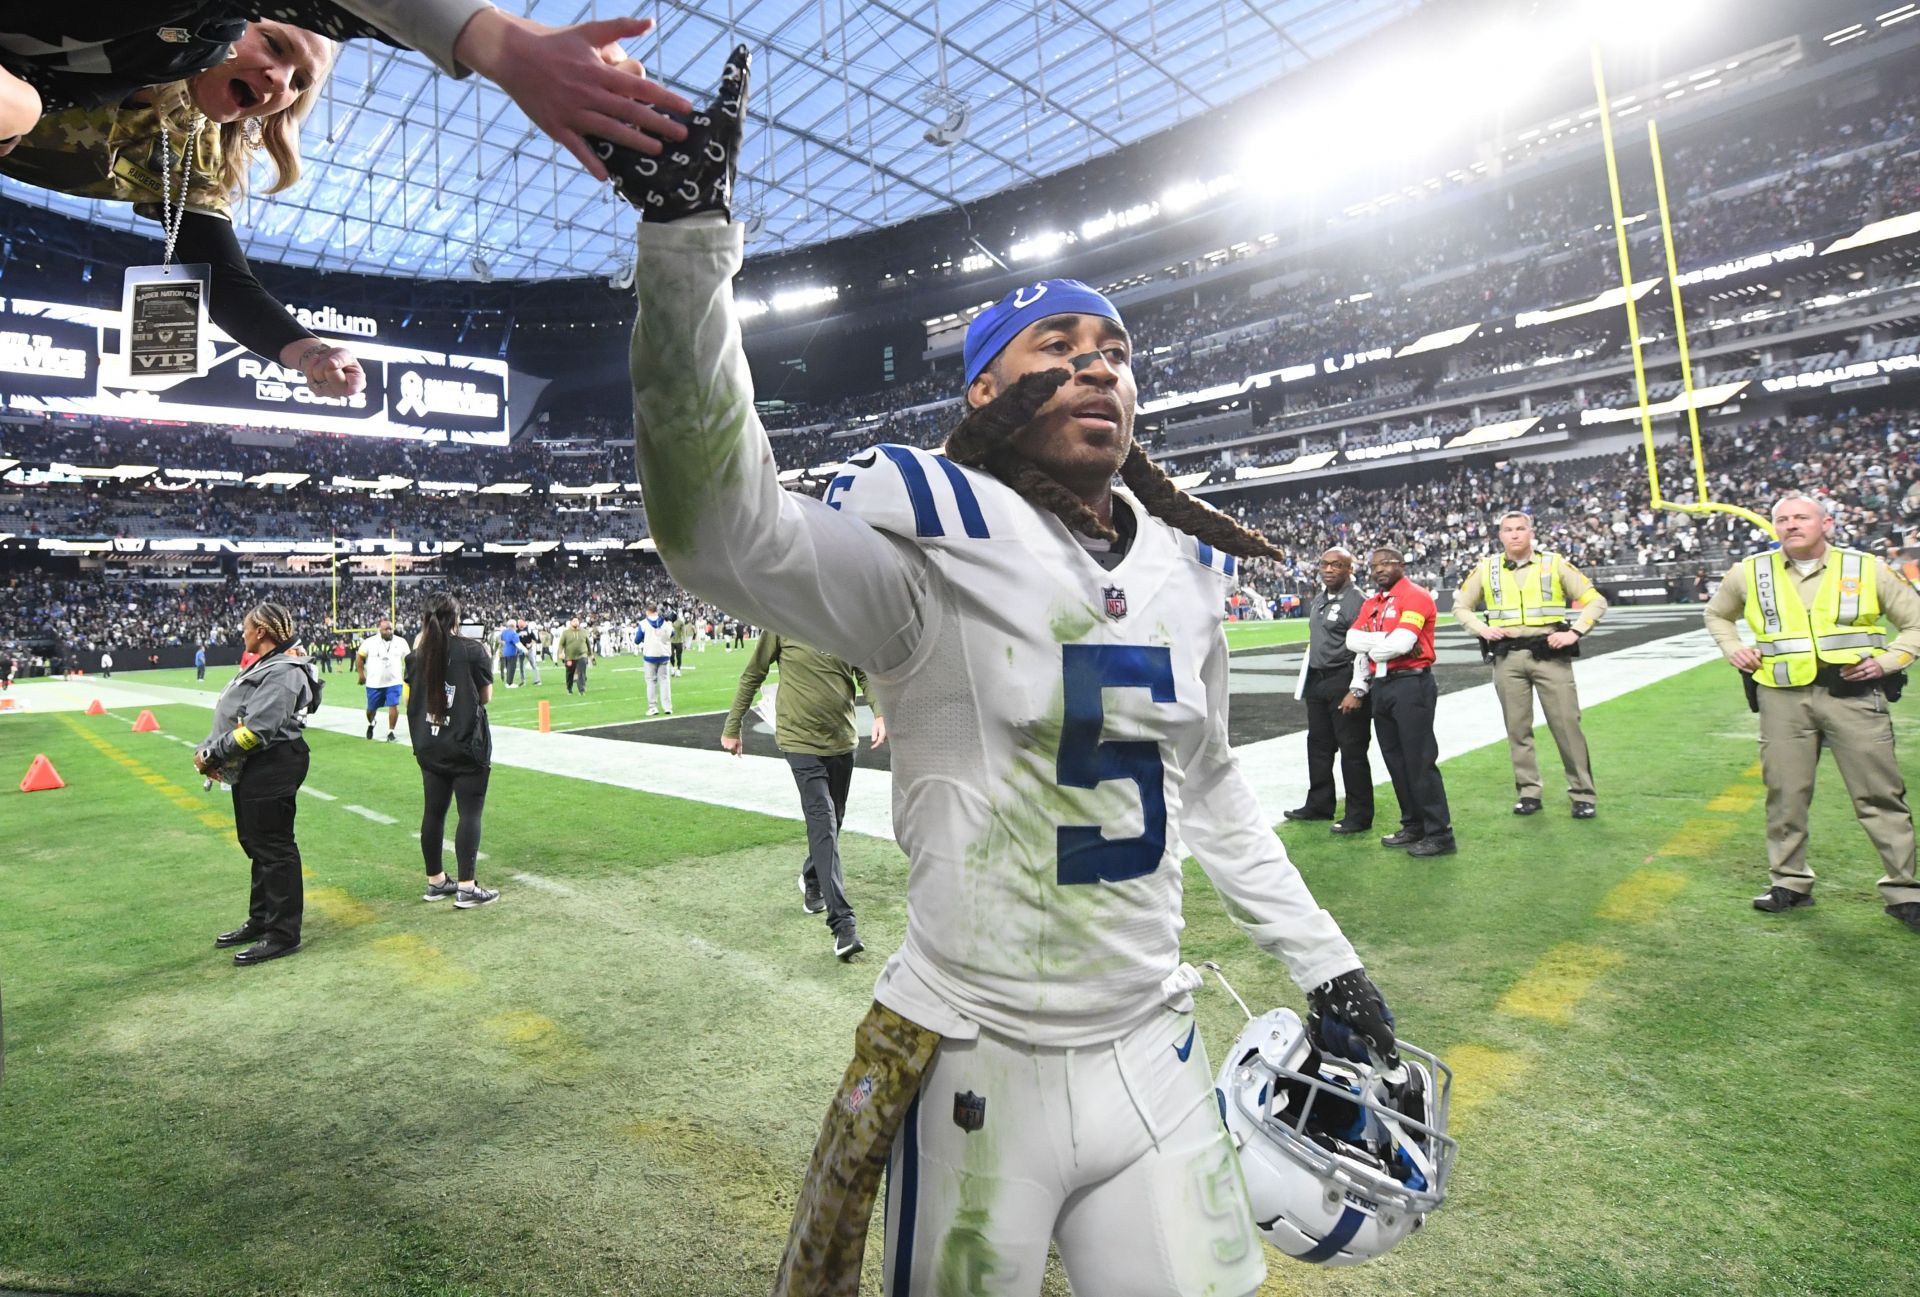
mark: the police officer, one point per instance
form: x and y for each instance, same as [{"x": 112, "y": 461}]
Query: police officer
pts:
[
  {"x": 1821, "y": 674},
  {"x": 1337, "y": 715},
  {"x": 1392, "y": 643},
  {"x": 1538, "y": 608}
]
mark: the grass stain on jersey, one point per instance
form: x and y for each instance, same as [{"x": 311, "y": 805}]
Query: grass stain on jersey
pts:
[
  {"x": 698, "y": 423},
  {"x": 1075, "y": 624}
]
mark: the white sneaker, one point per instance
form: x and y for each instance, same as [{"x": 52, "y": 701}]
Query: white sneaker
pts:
[{"x": 653, "y": 711}]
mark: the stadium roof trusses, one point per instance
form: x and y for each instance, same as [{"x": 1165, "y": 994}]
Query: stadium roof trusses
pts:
[{"x": 868, "y": 113}]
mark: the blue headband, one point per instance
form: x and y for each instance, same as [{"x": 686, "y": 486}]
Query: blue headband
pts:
[{"x": 1001, "y": 323}]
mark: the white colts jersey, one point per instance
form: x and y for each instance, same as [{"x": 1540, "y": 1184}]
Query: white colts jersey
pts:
[
  {"x": 1059, "y": 731},
  {"x": 1042, "y": 777}
]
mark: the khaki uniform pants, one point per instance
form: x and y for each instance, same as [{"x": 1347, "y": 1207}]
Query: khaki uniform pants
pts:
[
  {"x": 1795, "y": 724},
  {"x": 1516, "y": 678}
]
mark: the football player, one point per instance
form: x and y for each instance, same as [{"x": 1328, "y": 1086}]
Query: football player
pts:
[{"x": 1050, "y": 648}]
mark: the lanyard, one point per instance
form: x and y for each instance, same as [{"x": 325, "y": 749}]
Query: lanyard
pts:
[{"x": 173, "y": 212}]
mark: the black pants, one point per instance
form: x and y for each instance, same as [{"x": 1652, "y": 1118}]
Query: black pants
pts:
[
  {"x": 1403, "y": 705},
  {"x": 823, "y": 783},
  {"x": 200, "y": 672},
  {"x": 679, "y": 649},
  {"x": 577, "y": 673},
  {"x": 1329, "y": 730},
  {"x": 263, "y": 813},
  {"x": 442, "y": 788}
]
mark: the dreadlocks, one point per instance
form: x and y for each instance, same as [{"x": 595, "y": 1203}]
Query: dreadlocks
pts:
[{"x": 984, "y": 439}]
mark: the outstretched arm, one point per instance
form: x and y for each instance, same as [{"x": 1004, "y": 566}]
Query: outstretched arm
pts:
[{"x": 724, "y": 526}]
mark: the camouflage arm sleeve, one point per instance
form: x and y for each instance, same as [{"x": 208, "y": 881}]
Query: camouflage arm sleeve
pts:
[{"x": 829, "y": 1236}]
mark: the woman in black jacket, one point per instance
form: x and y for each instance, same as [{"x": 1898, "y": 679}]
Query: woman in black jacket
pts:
[{"x": 450, "y": 683}]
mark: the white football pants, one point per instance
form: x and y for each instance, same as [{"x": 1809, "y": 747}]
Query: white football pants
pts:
[{"x": 1116, "y": 1152}]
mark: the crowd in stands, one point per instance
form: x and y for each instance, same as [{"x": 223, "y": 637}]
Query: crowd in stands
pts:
[
  {"x": 105, "y": 612},
  {"x": 1595, "y": 511}
]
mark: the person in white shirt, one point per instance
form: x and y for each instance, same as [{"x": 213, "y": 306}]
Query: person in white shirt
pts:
[
  {"x": 381, "y": 662},
  {"x": 1050, "y": 647}
]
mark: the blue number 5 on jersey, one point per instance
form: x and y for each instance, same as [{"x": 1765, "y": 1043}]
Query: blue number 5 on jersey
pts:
[{"x": 1085, "y": 761}]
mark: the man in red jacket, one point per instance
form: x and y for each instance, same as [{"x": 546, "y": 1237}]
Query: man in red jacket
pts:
[{"x": 1392, "y": 643}]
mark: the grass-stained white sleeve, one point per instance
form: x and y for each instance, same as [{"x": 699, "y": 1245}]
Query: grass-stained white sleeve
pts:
[
  {"x": 1221, "y": 822},
  {"x": 725, "y": 527}
]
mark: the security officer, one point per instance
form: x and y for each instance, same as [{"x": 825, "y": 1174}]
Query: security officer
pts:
[
  {"x": 1337, "y": 717},
  {"x": 1821, "y": 674},
  {"x": 1538, "y": 608}
]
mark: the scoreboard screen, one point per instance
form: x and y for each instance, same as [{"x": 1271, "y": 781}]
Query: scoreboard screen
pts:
[{"x": 60, "y": 358}]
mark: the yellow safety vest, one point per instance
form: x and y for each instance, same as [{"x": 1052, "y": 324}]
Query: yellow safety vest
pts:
[
  {"x": 1843, "y": 627},
  {"x": 1539, "y": 601}
]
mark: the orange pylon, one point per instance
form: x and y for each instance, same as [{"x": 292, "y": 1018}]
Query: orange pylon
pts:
[
  {"x": 41, "y": 776},
  {"x": 145, "y": 724},
  {"x": 96, "y": 708}
]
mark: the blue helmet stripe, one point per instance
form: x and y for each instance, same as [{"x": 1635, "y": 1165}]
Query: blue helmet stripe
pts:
[{"x": 1336, "y": 1238}]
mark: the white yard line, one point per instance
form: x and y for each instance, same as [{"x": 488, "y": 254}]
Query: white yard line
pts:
[
  {"x": 311, "y": 791},
  {"x": 364, "y": 813}
]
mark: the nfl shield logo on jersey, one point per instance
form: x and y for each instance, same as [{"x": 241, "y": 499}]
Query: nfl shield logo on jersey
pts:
[
  {"x": 969, "y": 1111},
  {"x": 1116, "y": 601}
]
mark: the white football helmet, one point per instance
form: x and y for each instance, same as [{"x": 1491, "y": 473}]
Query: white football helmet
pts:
[{"x": 1342, "y": 1161}]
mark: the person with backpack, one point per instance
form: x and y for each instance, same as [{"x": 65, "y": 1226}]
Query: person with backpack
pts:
[{"x": 450, "y": 683}]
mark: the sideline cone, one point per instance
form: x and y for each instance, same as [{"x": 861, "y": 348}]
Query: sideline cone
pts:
[
  {"x": 145, "y": 724},
  {"x": 41, "y": 776},
  {"x": 96, "y": 708}
]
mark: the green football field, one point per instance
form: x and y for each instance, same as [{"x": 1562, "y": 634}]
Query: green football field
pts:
[
  {"x": 609, "y": 1082},
  {"x": 616, "y": 686}
]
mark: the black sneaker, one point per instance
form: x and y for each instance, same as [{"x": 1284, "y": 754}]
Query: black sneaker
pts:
[
  {"x": 441, "y": 891},
  {"x": 1401, "y": 838},
  {"x": 847, "y": 944},
  {"x": 1779, "y": 898},
  {"x": 392, "y": 737},
  {"x": 1585, "y": 810},
  {"x": 1527, "y": 806},
  {"x": 369, "y": 731},
  {"x": 1307, "y": 813},
  {"x": 472, "y": 898},
  {"x": 810, "y": 899},
  {"x": 1908, "y": 912},
  {"x": 696, "y": 174},
  {"x": 1436, "y": 844}
]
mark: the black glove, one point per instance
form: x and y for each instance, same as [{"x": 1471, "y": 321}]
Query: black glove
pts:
[
  {"x": 696, "y": 175},
  {"x": 1349, "y": 1019}
]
